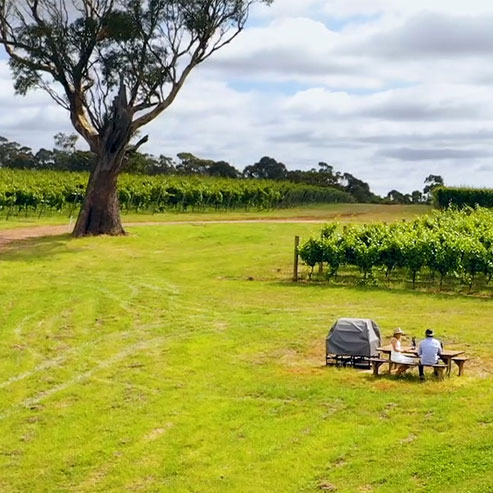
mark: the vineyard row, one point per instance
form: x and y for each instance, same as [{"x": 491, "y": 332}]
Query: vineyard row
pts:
[
  {"x": 52, "y": 190},
  {"x": 449, "y": 243}
]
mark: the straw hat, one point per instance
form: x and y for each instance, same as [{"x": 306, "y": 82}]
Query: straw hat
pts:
[{"x": 398, "y": 330}]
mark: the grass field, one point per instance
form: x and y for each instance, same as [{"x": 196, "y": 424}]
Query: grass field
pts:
[{"x": 181, "y": 359}]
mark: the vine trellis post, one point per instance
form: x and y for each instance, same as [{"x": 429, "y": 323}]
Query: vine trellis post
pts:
[{"x": 296, "y": 258}]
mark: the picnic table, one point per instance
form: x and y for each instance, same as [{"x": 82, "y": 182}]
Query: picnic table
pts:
[{"x": 447, "y": 356}]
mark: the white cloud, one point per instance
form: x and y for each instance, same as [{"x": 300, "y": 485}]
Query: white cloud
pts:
[
  {"x": 403, "y": 7},
  {"x": 389, "y": 91}
]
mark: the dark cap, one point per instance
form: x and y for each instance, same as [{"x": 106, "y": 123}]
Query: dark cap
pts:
[{"x": 429, "y": 333}]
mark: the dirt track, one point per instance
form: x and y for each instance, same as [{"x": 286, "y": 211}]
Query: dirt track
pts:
[{"x": 9, "y": 236}]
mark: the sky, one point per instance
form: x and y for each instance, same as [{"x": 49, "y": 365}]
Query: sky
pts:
[{"x": 387, "y": 90}]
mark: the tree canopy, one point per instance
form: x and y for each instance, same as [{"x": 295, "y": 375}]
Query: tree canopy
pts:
[
  {"x": 148, "y": 47},
  {"x": 267, "y": 168}
]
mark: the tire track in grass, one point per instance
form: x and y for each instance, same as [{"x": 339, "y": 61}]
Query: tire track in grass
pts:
[
  {"x": 104, "y": 285},
  {"x": 59, "y": 360},
  {"x": 103, "y": 365},
  {"x": 130, "y": 308},
  {"x": 43, "y": 366},
  {"x": 20, "y": 327}
]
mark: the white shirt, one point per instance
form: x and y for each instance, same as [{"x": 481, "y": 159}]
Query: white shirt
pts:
[{"x": 428, "y": 350}]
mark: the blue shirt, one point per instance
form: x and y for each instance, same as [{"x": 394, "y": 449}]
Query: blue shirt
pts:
[{"x": 429, "y": 350}]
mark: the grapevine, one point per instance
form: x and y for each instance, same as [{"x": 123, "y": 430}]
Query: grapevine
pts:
[
  {"x": 23, "y": 191},
  {"x": 453, "y": 244}
]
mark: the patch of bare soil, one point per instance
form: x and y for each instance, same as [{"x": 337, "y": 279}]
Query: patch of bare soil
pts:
[{"x": 9, "y": 236}]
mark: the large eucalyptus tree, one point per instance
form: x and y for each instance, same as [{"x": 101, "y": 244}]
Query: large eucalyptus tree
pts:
[{"x": 115, "y": 65}]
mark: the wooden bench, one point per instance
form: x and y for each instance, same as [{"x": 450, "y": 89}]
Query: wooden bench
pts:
[
  {"x": 407, "y": 365},
  {"x": 439, "y": 370},
  {"x": 376, "y": 363},
  {"x": 460, "y": 361}
]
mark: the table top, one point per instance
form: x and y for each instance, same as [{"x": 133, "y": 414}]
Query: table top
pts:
[{"x": 447, "y": 353}]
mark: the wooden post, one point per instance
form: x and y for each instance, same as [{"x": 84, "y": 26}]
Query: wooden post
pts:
[{"x": 295, "y": 268}]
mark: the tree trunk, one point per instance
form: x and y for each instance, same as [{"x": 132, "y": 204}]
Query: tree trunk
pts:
[{"x": 100, "y": 213}]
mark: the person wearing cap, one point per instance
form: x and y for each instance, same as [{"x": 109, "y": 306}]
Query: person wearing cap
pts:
[
  {"x": 429, "y": 351},
  {"x": 396, "y": 355}
]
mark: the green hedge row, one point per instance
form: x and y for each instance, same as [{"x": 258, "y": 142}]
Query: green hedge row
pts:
[{"x": 463, "y": 197}]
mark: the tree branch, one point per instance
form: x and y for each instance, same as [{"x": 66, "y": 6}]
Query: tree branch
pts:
[{"x": 134, "y": 148}]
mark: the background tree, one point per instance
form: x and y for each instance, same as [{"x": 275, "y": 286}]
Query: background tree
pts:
[
  {"x": 115, "y": 65},
  {"x": 432, "y": 182},
  {"x": 416, "y": 197},
  {"x": 192, "y": 165},
  {"x": 396, "y": 197},
  {"x": 45, "y": 159},
  {"x": 326, "y": 172},
  {"x": 223, "y": 169},
  {"x": 359, "y": 189},
  {"x": 14, "y": 155},
  {"x": 266, "y": 168},
  {"x": 67, "y": 157},
  {"x": 65, "y": 142},
  {"x": 324, "y": 176}
]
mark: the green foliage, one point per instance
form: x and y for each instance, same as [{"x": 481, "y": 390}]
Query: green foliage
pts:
[
  {"x": 414, "y": 252},
  {"x": 391, "y": 253},
  {"x": 267, "y": 168},
  {"x": 333, "y": 255},
  {"x": 463, "y": 197},
  {"x": 39, "y": 190},
  {"x": 312, "y": 253},
  {"x": 143, "y": 42},
  {"x": 450, "y": 243}
]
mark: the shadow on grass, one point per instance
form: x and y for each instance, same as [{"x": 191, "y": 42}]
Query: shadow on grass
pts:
[
  {"x": 37, "y": 248},
  {"x": 386, "y": 377},
  {"x": 407, "y": 377},
  {"x": 443, "y": 295},
  {"x": 427, "y": 284}
]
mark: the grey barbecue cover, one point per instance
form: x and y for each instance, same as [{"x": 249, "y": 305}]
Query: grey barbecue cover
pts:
[{"x": 354, "y": 337}]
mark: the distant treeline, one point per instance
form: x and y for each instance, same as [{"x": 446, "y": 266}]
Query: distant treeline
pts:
[{"x": 66, "y": 157}]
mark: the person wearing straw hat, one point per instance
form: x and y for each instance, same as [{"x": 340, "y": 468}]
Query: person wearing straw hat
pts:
[{"x": 396, "y": 355}]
